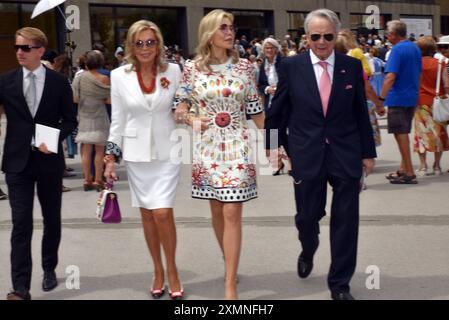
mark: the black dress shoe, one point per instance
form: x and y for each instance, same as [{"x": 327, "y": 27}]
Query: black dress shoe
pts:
[
  {"x": 342, "y": 296},
  {"x": 304, "y": 267},
  {"x": 50, "y": 281},
  {"x": 18, "y": 295}
]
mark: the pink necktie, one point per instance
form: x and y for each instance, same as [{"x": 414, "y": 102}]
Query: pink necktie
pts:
[{"x": 325, "y": 86}]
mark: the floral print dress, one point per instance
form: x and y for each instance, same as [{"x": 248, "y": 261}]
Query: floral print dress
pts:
[{"x": 223, "y": 168}]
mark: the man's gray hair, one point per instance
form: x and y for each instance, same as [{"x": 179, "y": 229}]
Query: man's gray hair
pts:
[
  {"x": 398, "y": 27},
  {"x": 326, "y": 14}
]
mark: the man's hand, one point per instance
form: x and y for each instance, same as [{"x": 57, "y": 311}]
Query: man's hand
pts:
[
  {"x": 368, "y": 165},
  {"x": 380, "y": 109},
  {"x": 43, "y": 149}
]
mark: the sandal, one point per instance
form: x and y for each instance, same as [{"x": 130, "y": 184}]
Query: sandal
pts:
[
  {"x": 404, "y": 179},
  {"x": 394, "y": 175}
]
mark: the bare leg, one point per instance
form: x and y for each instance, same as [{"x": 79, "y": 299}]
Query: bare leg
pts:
[
  {"x": 216, "y": 208},
  {"x": 99, "y": 165},
  {"x": 232, "y": 241},
  {"x": 404, "y": 148},
  {"x": 436, "y": 164},
  {"x": 165, "y": 224},
  {"x": 422, "y": 160},
  {"x": 86, "y": 151},
  {"x": 154, "y": 245}
]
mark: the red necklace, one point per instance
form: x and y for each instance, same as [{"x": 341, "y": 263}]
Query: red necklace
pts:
[{"x": 145, "y": 89}]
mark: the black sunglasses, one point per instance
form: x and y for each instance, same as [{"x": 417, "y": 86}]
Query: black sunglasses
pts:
[
  {"x": 443, "y": 46},
  {"x": 25, "y": 47},
  {"x": 328, "y": 37},
  {"x": 150, "y": 43}
]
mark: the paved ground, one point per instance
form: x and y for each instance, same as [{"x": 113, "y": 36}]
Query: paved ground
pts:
[{"x": 404, "y": 232}]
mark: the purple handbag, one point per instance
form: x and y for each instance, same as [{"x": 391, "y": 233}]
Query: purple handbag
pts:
[{"x": 108, "y": 210}]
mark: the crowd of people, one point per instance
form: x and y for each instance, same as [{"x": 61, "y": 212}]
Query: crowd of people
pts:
[{"x": 318, "y": 99}]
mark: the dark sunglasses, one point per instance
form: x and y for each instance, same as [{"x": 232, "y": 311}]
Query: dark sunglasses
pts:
[
  {"x": 149, "y": 43},
  {"x": 328, "y": 37},
  {"x": 443, "y": 46},
  {"x": 225, "y": 27},
  {"x": 25, "y": 47}
]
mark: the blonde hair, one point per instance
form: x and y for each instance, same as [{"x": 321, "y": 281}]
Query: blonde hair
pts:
[
  {"x": 136, "y": 28},
  {"x": 208, "y": 26},
  {"x": 349, "y": 37},
  {"x": 37, "y": 36}
]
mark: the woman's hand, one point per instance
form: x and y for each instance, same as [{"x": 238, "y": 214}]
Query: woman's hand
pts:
[
  {"x": 109, "y": 171},
  {"x": 181, "y": 111},
  {"x": 271, "y": 90},
  {"x": 198, "y": 123}
]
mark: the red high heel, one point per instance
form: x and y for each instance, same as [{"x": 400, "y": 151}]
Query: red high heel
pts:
[
  {"x": 176, "y": 295},
  {"x": 157, "y": 293}
]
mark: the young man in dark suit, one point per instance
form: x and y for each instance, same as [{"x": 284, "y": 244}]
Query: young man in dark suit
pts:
[
  {"x": 320, "y": 94},
  {"x": 30, "y": 95}
]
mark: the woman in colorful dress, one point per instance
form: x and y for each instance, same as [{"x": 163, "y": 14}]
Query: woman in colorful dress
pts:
[
  {"x": 430, "y": 136},
  {"x": 217, "y": 91}
]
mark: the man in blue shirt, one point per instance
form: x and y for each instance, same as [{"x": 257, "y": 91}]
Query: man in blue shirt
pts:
[{"x": 400, "y": 93}]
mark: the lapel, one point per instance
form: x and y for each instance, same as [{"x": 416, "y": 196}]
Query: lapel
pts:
[
  {"x": 131, "y": 85},
  {"x": 309, "y": 76},
  {"x": 337, "y": 82},
  {"x": 45, "y": 93}
]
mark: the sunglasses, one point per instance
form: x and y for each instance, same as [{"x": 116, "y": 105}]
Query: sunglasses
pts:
[
  {"x": 25, "y": 47},
  {"x": 328, "y": 37},
  {"x": 227, "y": 28},
  {"x": 150, "y": 43},
  {"x": 443, "y": 46}
]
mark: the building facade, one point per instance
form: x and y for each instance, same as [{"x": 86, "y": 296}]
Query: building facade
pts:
[{"x": 104, "y": 23}]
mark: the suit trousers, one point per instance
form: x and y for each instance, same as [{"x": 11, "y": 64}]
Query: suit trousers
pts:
[
  {"x": 310, "y": 198},
  {"x": 21, "y": 197}
]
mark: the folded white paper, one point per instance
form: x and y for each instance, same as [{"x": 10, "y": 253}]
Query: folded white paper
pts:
[{"x": 47, "y": 135}]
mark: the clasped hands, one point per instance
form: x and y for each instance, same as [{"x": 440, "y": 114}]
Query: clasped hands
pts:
[{"x": 182, "y": 115}]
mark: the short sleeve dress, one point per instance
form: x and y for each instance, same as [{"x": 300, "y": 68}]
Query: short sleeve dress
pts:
[{"x": 223, "y": 168}]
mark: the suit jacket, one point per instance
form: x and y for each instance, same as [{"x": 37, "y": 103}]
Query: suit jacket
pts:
[
  {"x": 56, "y": 109},
  {"x": 346, "y": 125},
  {"x": 136, "y": 126},
  {"x": 263, "y": 79}
]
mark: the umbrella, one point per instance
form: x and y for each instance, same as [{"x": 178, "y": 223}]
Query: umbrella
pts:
[{"x": 45, "y": 5}]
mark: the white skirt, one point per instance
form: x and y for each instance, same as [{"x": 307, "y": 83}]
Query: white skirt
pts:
[{"x": 153, "y": 184}]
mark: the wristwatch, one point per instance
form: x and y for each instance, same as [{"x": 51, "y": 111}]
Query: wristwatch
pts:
[{"x": 381, "y": 99}]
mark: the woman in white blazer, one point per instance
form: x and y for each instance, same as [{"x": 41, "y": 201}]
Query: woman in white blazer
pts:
[{"x": 142, "y": 94}]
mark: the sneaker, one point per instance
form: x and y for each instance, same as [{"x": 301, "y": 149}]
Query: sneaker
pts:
[
  {"x": 405, "y": 180},
  {"x": 3, "y": 196}
]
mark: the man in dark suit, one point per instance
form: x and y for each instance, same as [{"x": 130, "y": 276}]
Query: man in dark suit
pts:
[
  {"x": 321, "y": 95},
  {"x": 34, "y": 95}
]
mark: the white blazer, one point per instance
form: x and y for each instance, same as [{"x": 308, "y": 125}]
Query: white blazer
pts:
[{"x": 136, "y": 127}]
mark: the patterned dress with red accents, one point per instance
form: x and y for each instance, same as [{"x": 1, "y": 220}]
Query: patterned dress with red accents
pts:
[{"x": 223, "y": 166}]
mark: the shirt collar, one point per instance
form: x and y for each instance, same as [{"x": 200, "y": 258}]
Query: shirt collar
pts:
[
  {"x": 39, "y": 72},
  {"x": 330, "y": 60}
]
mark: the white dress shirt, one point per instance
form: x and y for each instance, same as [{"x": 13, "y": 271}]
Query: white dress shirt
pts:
[
  {"x": 319, "y": 70},
  {"x": 40, "y": 82}
]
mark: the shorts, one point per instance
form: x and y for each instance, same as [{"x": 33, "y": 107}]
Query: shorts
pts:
[{"x": 400, "y": 119}]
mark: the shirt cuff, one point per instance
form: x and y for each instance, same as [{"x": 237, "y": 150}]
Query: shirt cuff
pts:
[{"x": 112, "y": 148}]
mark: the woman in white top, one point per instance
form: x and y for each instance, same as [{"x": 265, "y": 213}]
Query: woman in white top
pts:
[{"x": 142, "y": 97}]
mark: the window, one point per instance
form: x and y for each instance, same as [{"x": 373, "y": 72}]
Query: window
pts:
[
  {"x": 15, "y": 15},
  {"x": 110, "y": 24},
  {"x": 252, "y": 24}
]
